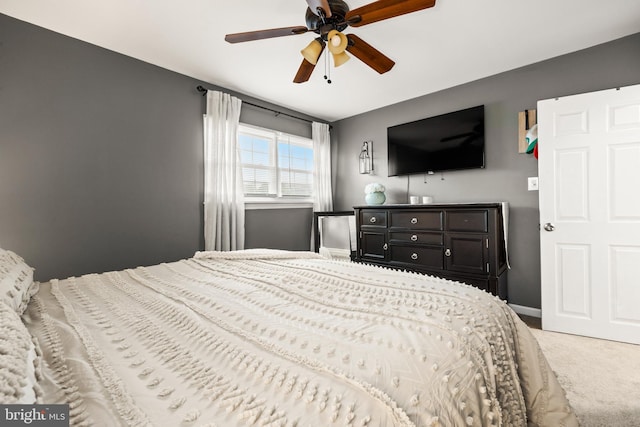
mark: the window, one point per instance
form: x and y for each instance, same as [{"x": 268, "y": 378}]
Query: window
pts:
[{"x": 275, "y": 164}]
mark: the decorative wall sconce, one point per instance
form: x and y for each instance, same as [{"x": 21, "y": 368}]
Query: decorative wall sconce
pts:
[
  {"x": 526, "y": 120},
  {"x": 366, "y": 157}
]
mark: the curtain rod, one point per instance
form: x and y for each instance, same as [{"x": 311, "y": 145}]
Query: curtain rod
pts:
[{"x": 204, "y": 91}]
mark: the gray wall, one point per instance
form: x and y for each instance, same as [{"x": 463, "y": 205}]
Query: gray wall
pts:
[
  {"x": 288, "y": 229},
  {"x": 505, "y": 178},
  {"x": 101, "y": 158}
]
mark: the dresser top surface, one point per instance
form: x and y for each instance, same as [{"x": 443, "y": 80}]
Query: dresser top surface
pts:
[{"x": 431, "y": 205}]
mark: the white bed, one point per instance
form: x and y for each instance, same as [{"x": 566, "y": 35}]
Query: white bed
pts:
[{"x": 274, "y": 338}]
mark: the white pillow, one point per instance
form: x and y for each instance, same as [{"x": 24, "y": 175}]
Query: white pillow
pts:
[
  {"x": 18, "y": 360},
  {"x": 16, "y": 281}
]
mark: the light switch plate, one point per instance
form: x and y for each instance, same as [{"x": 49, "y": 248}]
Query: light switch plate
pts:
[{"x": 532, "y": 183}]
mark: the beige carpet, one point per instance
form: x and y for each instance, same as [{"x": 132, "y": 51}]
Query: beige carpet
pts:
[{"x": 601, "y": 378}]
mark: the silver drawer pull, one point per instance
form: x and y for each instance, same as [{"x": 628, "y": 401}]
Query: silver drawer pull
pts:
[
  {"x": 385, "y": 247},
  {"x": 414, "y": 220},
  {"x": 447, "y": 252},
  {"x": 372, "y": 219},
  {"x": 414, "y": 256},
  {"x": 414, "y": 238}
]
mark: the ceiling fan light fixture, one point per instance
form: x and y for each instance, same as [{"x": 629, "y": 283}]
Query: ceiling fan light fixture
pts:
[
  {"x": 312, "y": 52},
  {"x": 337, "y": 42},
  {"x": 340, "y": 58}
]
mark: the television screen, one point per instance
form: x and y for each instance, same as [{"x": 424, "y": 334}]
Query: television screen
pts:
[{"x": 446, "y": 142}]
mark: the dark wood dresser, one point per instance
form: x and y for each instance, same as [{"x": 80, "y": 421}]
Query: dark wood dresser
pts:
[{"x": 462, "y": 242}]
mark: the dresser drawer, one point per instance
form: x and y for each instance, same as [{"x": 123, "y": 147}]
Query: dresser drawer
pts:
[
  {"x": 425, "y": 257},
  {"x": 468, "y": 220},
  {"x": 373, "y": 245},
  {"x": 425, "y": 220},
  {"x": 374, "y": 218},
  {"x": 418, "y": 237}
]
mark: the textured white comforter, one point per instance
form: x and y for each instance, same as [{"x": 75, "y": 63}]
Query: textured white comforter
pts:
[{"x": 271, "y": 338}]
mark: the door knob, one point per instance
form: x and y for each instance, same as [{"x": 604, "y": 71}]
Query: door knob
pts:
[{"x": 549, "y": 227}]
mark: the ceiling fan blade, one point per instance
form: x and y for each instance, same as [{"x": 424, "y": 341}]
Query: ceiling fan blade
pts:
[
  {"x": 314, "y": 5},
  {"x": 265, "y": 34},
  {"x": 304, "y": 72},
  {"x": 385, "y": 9},
  {"x": 368, "y": 54}
]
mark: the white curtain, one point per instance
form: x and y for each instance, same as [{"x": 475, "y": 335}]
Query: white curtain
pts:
[
  {"x": 322, "y": 194},
  {"x": 223, "y": 191}
]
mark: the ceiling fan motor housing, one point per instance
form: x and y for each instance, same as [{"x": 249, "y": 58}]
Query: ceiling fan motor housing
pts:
[{"x": 321, "y": 25}]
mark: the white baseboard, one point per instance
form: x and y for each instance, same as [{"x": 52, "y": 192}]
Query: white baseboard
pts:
[{"x": 527, "y": 311}]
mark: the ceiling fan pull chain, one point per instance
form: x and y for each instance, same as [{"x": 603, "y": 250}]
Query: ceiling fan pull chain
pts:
[{"x": 327, "y": 67}]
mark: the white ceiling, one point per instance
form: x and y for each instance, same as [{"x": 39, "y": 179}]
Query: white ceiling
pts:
[{"x": 455, "y": 42}]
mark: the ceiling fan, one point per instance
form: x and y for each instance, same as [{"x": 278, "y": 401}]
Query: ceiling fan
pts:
[{"x": 328, "y": 18}]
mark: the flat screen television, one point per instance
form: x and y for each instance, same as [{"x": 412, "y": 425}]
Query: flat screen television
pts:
[{"x": 449, "y": 141}]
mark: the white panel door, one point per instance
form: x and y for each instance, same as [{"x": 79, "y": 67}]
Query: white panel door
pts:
[{"x": 589, "y": 183}]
